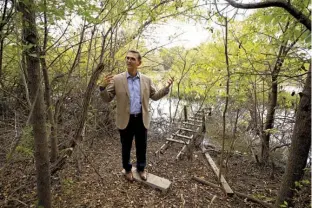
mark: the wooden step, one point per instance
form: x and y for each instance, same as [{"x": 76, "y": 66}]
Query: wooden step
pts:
[
  {"x": 153, "y": 181},
  {"x": 189, "y": 130},
  {"x": 164, "y": 146},
  {"x": 183, "y": 136},
  {"x": 199, "y": 114},
  {"x": 178, "y": 141},
  {"x": 192, "y": 120},
  {"x": 196, "y": 118},
  {"x": 191, "y": 124}
]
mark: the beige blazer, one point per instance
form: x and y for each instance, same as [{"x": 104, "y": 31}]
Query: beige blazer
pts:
[{"x": 119, "y": 87}]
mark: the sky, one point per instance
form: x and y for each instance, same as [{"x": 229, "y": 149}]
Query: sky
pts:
[{"x": 188, "y": 34}]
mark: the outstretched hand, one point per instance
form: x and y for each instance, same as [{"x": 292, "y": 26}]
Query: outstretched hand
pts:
[
  {"x": 107, "y": 79},
  {"x": 169, "y": 82}
]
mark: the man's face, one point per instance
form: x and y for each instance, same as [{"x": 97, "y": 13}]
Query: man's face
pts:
[{"x": 132, "y": 60}]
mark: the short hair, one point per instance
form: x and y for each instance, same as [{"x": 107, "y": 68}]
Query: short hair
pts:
[{"x": 136, "y": 52}]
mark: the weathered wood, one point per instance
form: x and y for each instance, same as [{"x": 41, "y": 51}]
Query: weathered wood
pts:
[
  {"x": 267, "y": 205},
  {"x": 191, "y": 124},
  {"x": 164, "y": 146},
  {"x": 181, "y": 151},
  {"x": 185, "y": 113},
  {"x": 183, "y": 136},
  {"x": 206, "y": 182},
  {"x": 189, "y": 130},
  {"x": 227, "y": 189},
  {"x": 192, "y": 120},
  {"x": 177, "y": 141},
  {"x": 196, "y": 118},
  {"x": 153, "y": 181}
]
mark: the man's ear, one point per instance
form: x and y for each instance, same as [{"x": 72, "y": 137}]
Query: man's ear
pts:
[{"x": 140, "y": 62}]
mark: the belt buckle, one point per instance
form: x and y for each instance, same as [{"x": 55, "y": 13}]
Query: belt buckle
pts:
[{"x": 136, "y": 115}]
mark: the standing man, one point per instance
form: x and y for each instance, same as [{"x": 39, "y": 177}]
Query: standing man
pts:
[{"x": 133, "y": 91}]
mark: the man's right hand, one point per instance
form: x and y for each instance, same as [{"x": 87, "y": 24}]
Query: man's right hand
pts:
[{"x": 107, "y": 79}]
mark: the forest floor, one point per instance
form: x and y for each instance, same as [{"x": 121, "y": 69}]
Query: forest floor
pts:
[{"x": 99, "y": 182}]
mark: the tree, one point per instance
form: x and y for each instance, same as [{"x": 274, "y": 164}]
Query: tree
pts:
[
  {"x": 301, "y": 138},
  {"x": 295, "y": 12},
  {"x": 31, "y": 52}
]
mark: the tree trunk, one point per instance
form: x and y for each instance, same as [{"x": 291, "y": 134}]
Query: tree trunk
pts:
[
  {"x": 4, "y": 20},
  {"x": 47, "y": 91},
  {"x": 47, "y": 95},
  {"x": 228, "y": 77},
  {"x": 38, "y": 116},
  {"x": 269, "y": 123},
  {"x": 300, "y": 146}
]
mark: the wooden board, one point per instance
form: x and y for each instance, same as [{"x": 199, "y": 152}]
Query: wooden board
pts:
[
  {"x": 190, "y": 130},
  {"x": 177, "y": 141},
  {"x": 153, "y": 181},
  {"x": 183, "y": 136},
  {"x": 227, "y": 189},
  {"x": 164, "y": 146},
  {"x": 196, "y": 118},
  {"x": 182, "y": 150},
  {"x": 197, "y": 121},
  {"x": 192, "y": 124}
]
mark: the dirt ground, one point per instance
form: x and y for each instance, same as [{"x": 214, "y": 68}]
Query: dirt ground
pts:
[{"x": 96, "y": 181}]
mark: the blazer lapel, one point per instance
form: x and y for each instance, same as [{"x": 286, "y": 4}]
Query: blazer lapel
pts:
[{"x": 125, "y": 83}]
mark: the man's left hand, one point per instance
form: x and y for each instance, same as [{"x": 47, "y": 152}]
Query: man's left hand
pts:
[{"x": 170, "y": 81}]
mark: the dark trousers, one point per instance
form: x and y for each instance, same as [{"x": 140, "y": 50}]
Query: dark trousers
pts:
[{"x": 135, "y": 129}]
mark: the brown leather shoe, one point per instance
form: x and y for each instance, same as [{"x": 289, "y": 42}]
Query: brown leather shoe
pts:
[
  {"x": 129, "y": 176},
  {"x": 143, "y": 175}
]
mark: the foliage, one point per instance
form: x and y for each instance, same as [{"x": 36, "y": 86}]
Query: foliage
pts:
[{"x": 26, "y": 144}]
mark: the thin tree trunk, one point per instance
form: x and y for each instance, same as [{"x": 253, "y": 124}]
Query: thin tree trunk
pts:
[
  {"x": 227, "y": 96},
  {"x": 30, "y": 37},
  {"x": 269, "y": 123},
  {"x": 300, "y": 146},
  {"x": 2, "y": 23},
  {"x": 47, "y": 92}
]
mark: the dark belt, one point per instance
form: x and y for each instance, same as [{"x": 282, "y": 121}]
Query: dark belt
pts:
[{"x": 135, "y": 115}]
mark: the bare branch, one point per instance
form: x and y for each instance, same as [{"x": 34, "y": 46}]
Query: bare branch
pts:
[{"x": 303, "y": 19}]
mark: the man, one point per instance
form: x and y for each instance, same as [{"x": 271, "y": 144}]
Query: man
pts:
[{"x": 132, "y": 90}]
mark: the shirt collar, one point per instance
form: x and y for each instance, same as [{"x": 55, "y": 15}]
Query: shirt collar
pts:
[{"x": 136, "y": 76}]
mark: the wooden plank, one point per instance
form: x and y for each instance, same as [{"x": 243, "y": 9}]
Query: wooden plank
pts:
[
  {"x": 227, "y": 189},
  {"x": 196, "y": 118},
  {"x": 183, "y": 136},
  {"x": 153, "y": 181},
  {"x": 177, "y": 141},
  {"x": 191, "y": 124},
  {"x": 192, "y": 120},
  {"x": 164, "y": 146},
  {"x": 189, "y": 130},
  {"x": 182, "y": 150},
  {"x": 199, "y": 114}
]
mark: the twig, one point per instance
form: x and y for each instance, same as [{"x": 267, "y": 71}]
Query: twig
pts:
[
  {"x": 264, "y": 204},
  {"x": 213, "y": 198},
  {"x": 254, "y": 200},
  {"x": 19, "y": 201},
  {"x": 96, "y": 171},
  {"x": 183, "y": 200}
]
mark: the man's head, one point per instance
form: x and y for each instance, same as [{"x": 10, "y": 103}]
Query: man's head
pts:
[{"x": 133, "y": 59}]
